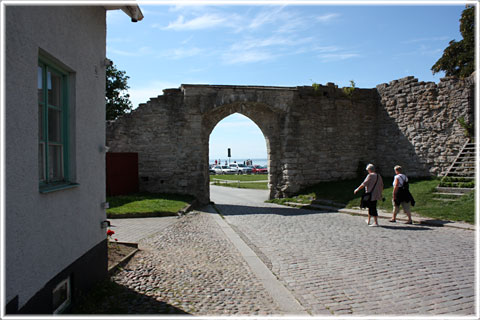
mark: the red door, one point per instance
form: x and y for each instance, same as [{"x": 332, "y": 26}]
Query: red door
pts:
[{"x": 122, "y": 173}]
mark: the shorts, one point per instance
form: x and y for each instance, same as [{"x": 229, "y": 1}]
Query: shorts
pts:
[{"x": 405, "y": 206}]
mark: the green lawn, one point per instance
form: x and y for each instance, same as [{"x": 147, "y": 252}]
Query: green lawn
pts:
[
  {"x": 421, "y": 189},
  {"x": 146, "y": 204},
  {"x": 243, "y": 178},
  {"x": 240, "y": 177}
]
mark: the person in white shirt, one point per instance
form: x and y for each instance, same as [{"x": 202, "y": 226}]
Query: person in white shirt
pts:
[{"x": 401, "y": 195}]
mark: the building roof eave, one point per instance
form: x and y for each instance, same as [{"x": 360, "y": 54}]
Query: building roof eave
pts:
[{"x": 133, "y": 11}]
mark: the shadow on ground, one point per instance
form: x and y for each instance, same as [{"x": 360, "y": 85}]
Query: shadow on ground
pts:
[
  {"x": 406, "y": 227},
  {"x": 109, "y": 297},
  {"x": 238, "y": 210}
]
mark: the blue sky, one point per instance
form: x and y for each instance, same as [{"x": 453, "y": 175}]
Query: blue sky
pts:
[{"x": 279, "y": 45}]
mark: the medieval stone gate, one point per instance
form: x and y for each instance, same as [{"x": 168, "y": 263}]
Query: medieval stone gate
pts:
[{"x": 312, "y": 135}]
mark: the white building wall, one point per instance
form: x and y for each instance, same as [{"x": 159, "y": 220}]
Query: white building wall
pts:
[{"x": 45, "y": 233}]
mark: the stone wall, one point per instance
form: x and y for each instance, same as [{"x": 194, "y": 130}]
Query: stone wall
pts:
[
  {"x": 312, "y": 135},
  {"x": 417, "y": 123}
]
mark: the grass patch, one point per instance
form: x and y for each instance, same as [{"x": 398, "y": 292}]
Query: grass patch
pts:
[
  {"x": 301, "y": 198},
  {"x": 243, "y": 178},
  {"x": 258, "y": 185},
  {"x": 240, "y": 177},
  {"x": 422, "y": 189},
  {"x": 146, "y": 204},
  {"x": 338, "y": 191}
]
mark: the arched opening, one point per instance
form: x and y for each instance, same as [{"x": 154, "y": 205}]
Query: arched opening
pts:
[{"x": 247, "y": 166}]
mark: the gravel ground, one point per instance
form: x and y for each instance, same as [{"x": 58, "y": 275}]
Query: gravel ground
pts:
[{"x": 192, "y": 266}]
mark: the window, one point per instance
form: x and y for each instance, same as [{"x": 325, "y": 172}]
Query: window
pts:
[
  {"x": 61, "y": 296},
  {"x": 53, "y": 134}
]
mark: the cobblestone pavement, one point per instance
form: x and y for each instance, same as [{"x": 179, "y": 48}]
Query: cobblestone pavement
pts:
[
  {"x": 136, "y": 229},
  {"x": 193, "y": 267},
  {"x": 334, "y": 263}
]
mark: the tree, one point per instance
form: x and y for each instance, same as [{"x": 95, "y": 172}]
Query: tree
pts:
[
  {"x": 458, "y": 58},
  {"x": 116, "y": 95}
]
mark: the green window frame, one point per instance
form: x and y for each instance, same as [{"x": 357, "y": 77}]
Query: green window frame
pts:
[{"x": 53, "y": 123}]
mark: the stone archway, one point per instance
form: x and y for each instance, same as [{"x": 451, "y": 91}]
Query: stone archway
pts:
[
  {"x": 264, "y": 117},
  {"x": 313, "y": 134}
]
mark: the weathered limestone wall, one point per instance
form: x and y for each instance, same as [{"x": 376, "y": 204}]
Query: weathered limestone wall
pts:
[
  {"x": 312, "y": 135},
  {"x": 329, "y": 134},
  {"x": 417, "y": 123}
]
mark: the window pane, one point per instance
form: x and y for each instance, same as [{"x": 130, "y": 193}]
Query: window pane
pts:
[
  {"x": 40, "y": 84},
  {"x": 40, "y": 122},
  {"x": 54, "y": 89},
  {"x": 54, "y": 125},
  {"x": 41, "y": 162},
  {"x": 55, "y": 163}
]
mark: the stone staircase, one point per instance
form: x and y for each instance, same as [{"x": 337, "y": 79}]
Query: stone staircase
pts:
[{"x": 460, "y": 176}]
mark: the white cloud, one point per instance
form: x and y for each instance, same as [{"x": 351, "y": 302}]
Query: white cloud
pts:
[
  {"x": 327, "y": 17},
  {"x": 326, "y": 48},
  {"x": 202, "y": 22},
  {"x": 181, "y": 53},
  {"x": 250, "y": 43},
  {"x": 252, "y": 50},
  {"x": 187, "y": 40},
  {"x": 337, "y": 56},
  {"x": 265, "y": 17},
  {"x": 246, "y": 56}
]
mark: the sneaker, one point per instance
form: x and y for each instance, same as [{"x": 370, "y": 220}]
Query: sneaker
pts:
[
  {"x": 409, "y": 222},
  {"x": 367, "y": 222},
  {"x": 373, "y": 225}
]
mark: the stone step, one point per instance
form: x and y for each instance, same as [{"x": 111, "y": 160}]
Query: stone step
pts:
[
  {"x": 456, "y": 182},
  {"x": 456, "y": 177},
  {"x": 448, "y": 194},
  {"x": 465, "y": 170},
  {"x": 445, "y": 199},
  {"x": 462, "y": 174},
  {"x": 459, "y": 163},
  {"x": 454, "y": 190},
  {"x": 469, "y": 167}
]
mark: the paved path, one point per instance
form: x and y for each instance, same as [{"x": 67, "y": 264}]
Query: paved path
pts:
[
  {"x": 136, "y": 229},
  {"x": 333, "y": 263},
  {"x": 191, "y": 267}
]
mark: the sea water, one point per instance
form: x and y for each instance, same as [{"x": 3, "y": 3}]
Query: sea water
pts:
[{"x": 261, "y": 162}]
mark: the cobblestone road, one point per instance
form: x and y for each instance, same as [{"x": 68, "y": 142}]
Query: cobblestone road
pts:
[
  {"x": 334, "y": 263},
  {"x": 192, "y": 266}
]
